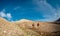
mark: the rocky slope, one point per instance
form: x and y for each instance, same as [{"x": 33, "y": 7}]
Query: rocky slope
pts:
[{"x": 26, "y": 27}]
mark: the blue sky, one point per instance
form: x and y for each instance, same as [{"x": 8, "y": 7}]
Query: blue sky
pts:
[{"x": 37, "y": 10}]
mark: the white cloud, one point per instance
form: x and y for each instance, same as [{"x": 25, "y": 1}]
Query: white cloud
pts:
[
  {"x": 2, "y": 14},
  {"x": 48, "y": 12},
  {"x": 6, "y": 15},
  {"x": 16, "y": 8}
]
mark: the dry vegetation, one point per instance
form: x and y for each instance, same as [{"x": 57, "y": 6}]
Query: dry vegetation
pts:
[{"x": 28, "y": 28}]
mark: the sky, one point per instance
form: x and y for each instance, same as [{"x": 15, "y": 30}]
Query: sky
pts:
[{"x": 36, "y": 10}]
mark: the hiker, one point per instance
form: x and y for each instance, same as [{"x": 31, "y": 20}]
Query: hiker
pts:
[{"x": 38, "y": 24}]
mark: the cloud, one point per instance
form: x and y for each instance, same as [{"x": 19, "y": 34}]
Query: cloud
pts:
[
  {"x": 16, "y": 8},
  {"x": 49, "y": 13},
  {"x": 2, "y": 14},
  {"x": 6, "y": 15}
]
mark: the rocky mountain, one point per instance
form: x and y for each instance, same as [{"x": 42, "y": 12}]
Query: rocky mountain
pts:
[
  {"x": 57, "y": 21},
  {"x": 26, "y": 27}
]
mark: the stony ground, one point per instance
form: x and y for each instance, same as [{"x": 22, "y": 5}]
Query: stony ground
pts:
[{"x": 22, "y": 29}]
